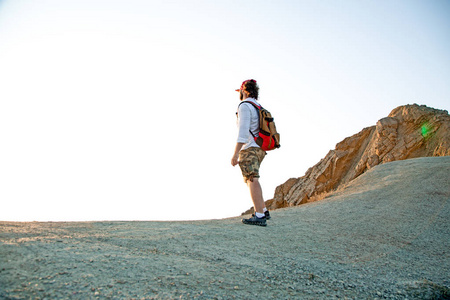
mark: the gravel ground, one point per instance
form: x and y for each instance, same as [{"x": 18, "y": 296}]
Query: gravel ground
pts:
[{"x": 384, "y": 236}]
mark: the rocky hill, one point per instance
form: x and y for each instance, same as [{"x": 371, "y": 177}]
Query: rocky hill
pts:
[{"x": 409, "y": 131}]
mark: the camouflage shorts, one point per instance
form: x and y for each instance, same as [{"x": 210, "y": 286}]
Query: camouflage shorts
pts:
[{"x": 249, "y": 161}]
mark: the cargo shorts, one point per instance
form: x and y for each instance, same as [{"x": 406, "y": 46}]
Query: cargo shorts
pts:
[{"x": 249, "y": 161}]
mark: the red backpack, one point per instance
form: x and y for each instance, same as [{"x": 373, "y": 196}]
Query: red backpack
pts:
[{"x": 268, "y": 138}]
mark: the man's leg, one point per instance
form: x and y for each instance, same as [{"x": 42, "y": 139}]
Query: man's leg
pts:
[
  {"x": 258, "y": 203},
  {"x": 256, "y": 195},
  {"x": 250, "y": 160}
]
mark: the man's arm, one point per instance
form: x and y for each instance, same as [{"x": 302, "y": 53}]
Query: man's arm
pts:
[
  {"x": 234, "y": 159},
  {"x": 244, "y": 131}
]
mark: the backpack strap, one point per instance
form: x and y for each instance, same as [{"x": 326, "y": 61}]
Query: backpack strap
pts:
[{"x": 258, "y": 107}]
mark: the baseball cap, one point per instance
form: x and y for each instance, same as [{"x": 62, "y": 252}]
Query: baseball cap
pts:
[{"x": 242, "y": 85}]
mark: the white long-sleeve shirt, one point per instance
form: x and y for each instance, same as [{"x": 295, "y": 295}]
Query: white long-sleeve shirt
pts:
[{"x": 248, "y": 119}]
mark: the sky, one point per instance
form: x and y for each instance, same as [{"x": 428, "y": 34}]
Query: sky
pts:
[{"x": 125, "y": 110}]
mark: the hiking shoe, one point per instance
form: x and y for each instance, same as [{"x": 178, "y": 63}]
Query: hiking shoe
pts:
[
  {"x": 254, "y": 220},
  {"x": 266, "y": 213}
]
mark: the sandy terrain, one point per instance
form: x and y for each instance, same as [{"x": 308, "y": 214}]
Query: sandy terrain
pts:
[{"x": 385, "y": 235}]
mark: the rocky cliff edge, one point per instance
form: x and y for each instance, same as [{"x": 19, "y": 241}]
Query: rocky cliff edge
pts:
[{"x": 409, "y": 131}]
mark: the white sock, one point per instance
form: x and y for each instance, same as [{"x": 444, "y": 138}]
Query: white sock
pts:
[
  {"x": 265, "y": 209},
  {"x": 259, "y": 215}
]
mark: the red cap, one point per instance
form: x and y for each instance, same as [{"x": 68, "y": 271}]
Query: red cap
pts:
[{"x": 242, "y": 85}]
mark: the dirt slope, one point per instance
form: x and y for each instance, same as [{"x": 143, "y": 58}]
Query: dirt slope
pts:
[{"x": 384, "y": 235}]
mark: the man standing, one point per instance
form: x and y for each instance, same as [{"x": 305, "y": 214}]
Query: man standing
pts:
[{"x": 247, "y": 152}]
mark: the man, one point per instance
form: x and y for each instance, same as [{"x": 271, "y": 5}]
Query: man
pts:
[{"x": 247, "y": 152}]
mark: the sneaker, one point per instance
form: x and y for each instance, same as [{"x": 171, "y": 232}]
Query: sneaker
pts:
[
  {"x": 266, "y": 213},
  {"x": 254, "y": 220}
]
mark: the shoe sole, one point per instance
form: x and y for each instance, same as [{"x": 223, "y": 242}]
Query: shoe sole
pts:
[{"x": 254, "y": 223}]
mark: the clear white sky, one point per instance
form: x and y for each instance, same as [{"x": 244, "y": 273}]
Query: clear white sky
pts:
[{"x": 125, "y": 110}]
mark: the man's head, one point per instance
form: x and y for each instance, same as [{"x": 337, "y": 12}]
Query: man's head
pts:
[{"x": 249, "y": 89}]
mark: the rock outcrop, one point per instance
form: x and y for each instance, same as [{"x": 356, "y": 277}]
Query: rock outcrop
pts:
[{"x": 408, "y": 132}]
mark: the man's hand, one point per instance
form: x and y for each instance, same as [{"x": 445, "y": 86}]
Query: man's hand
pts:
[{"x": 234, "y": 160}]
